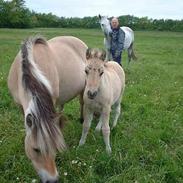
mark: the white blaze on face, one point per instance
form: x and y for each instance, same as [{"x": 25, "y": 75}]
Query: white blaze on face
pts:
[{"x": 105, "y": 25}]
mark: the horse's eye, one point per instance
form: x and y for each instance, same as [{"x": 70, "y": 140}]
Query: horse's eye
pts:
[
  {"x": 36, "y": 150},
  {"x": 86, "y": 71}
]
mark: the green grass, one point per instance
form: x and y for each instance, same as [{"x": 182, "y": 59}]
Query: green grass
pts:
[{"x": 147, "y": 143}]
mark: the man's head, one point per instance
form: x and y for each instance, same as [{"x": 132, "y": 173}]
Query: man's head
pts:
[{"x": 114, "y": 23}]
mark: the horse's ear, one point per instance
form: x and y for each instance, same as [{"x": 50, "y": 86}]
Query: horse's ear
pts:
[
  {"x": 88, "y": 53},
  {"x": 99, "y": 16},
  {"x": 103, "y": 55}
]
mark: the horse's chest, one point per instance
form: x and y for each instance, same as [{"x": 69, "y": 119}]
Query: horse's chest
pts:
[{"x": 94, "y": 105}]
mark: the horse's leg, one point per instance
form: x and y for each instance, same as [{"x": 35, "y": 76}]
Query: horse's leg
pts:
[
  {"x": 81, "y": 107},
  {"x": 133, "y": 53},
  {"x": 88, "y": 116},
  {"x": 107, "y": 55},
  {"x": 99, "y": 125},
  {"x": 105, "y": 128},
  {"x": 117, "y": 110}
]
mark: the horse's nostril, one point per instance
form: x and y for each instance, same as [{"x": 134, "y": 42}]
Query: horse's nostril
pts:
[
  {"x": 95, "y": 93},
  {"x": 91, "y": 95}
]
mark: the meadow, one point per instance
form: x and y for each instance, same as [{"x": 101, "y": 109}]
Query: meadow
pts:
[{"x": 147, "y": 144}]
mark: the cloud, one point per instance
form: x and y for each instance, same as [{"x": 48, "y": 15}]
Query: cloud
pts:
[{"x": 80, "y": 8}]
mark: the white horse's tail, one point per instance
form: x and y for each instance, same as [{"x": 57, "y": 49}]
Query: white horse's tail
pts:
[{"x": 134, "y": 57}]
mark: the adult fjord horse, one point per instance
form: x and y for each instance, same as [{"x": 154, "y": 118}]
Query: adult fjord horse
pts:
[
  {"x": 43, "y": 73},
  {"x": 128, "y": 43}
]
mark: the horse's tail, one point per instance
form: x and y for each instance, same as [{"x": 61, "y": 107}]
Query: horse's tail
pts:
[
  {"x": 41, "y": 105},
  {"x": 134, "y": 57}
]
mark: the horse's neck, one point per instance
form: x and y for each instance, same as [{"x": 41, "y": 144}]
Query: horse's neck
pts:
[{"x": 107, "y": 37}]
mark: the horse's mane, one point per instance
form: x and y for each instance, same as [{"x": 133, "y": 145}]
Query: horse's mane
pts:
[
  {"x": 95, "y": 53},
  {"x": 48, "y": 135}
]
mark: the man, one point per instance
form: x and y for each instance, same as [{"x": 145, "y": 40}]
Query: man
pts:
[{"x": 117, "y": 40}]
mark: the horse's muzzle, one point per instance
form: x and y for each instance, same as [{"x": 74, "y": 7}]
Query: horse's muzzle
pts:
[
  {"x": 91, "y": 95},
  {"x": 51, "y": 181}
]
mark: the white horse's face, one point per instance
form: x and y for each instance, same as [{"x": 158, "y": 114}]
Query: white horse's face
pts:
[{"x": 105, "y": 24}]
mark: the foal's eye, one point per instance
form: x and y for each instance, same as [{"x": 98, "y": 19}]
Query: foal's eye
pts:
[
  {"x": 36, "y": 150},
  {"x": 101, "y": 73},
  {"x": 86, "y": 71}
]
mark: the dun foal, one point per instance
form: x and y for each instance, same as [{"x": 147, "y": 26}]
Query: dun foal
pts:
[{"x": 105, "y": 83}]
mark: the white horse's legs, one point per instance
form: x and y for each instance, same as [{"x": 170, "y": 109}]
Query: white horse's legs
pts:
[
  {"x": 107, "y": 47},
  {"x": 108, "y": 55},
  {"x": 106, "y": 129},
  {"x": 88, "y": 116}
]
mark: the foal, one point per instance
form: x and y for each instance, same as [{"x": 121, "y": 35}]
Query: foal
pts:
[{"x": 105, "y": 83}]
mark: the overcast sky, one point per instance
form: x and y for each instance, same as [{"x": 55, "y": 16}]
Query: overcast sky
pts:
[{"x": 79, "y": 8}]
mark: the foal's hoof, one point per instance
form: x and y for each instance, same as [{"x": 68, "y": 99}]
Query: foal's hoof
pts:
[
  {"x": 108, "y": 150},
  {"x": 81, "y": 143}
]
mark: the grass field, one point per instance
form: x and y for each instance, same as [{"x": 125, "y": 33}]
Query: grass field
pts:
[{"x": 147, "y": 144}]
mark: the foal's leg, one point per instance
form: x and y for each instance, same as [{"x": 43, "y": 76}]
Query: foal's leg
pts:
[
  {"x": 88, "y": 116},
  {"x": 105, "y": 128},
  {"x": 99, "y": 125},
  {"x": 117, "y": 111}
]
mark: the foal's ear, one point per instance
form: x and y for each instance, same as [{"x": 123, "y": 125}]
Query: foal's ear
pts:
[
  {"x": 88, "y": 53},
  {"x": 99, "y": 16},
  {"x": 103, "y": 55}
]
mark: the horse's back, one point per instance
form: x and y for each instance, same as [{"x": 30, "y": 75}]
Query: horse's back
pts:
[
  {"x": 129, "y": 36},
  {"x": 67, "y": 44},
  {"x": 62, "y": 61},
  {"x": 70, "y": 59}
]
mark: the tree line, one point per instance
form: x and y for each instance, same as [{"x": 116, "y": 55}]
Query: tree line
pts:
[{"x": 14, "y": 14}]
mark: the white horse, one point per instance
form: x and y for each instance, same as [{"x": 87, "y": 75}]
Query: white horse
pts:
[{"x": 128, "y": 43}]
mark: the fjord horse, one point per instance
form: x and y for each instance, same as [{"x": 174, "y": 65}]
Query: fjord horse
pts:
[{"x": 45, "y": 73}]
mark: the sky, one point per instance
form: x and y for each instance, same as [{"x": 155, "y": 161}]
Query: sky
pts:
[{"x": 167, "y": 9}]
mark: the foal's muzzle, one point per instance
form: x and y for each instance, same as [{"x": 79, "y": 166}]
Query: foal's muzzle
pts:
[{"x": 91, "y": 95}]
